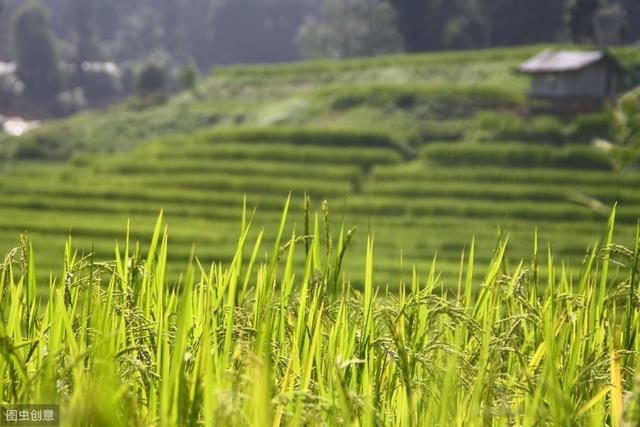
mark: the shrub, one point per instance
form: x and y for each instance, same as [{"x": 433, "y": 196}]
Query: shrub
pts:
[
  {"x": 188, "y": 77},
  {"x": 590, "y": 126},
  {"x": 446, "y": 100},
  {"x": 99, "y": 83},
  {"x": 545, "y": 128},
  {"x": 152, "y": 78},
  {"x": 51, "y": 144}
]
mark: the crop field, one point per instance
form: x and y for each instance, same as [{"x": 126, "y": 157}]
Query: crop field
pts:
[
  {"x": 394, "y": 240},
  {"x": 426, "y": 152},
  {"x": 268, "y": 341},
  {"x": 444, "y": 257},
  {"x": 431, "y": 206}
]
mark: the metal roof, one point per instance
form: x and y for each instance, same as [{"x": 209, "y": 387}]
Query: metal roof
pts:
[
  {"x": 7, "y": 68},
  {"x": 563, "y": 61}
]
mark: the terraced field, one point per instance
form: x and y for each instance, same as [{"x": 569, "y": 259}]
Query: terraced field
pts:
[
  {"x": 395, "y": 145},
  {"x": 417, "y": 209}
]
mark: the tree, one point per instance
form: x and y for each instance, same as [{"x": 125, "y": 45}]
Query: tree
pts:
[
  {"x": 188, "y": 77},
  {"x": 350, "y": 28},
  {"x": 273, "y": 26},
  {"x": 422, "y": 22},
  {"x": 81, "y": 15},
  {"x": 611, "y": 24},
  {"x": 36, "y": 54},
  {"x": 87, "y": 48},
  {"x": 579, "y": 19},
  {"x": 515, "y": 22},
  {"x": 152, "y": 79},
  {"x": 469, "y": 26}
]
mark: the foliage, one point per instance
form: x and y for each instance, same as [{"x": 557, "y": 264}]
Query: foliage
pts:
[
  {"x": 545, "y": 128},
  {"x": 211, "y": 32},
  {"x": 11, "y": 89},
  {"x": 274, "y": 25},
  {"x": 82, "y": 19},
  {"x": 442, "y": 100},
  {"x": 611, "y": 24},
  {"x": 349, "y": 29},
  {"x": 35, "y": 51},
  {"x": 421, "y": 23},
  {"x": 188, "y": 77},
  {"x": 152, "y": 78},
  {"x": 579, "y": 19},
  {"x": 99, "y": 84},
  {"x": 435, "y": 25},
  {"x": 626, "y": 117}
]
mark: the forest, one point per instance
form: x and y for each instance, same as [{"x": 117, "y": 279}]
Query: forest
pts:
[
  {"x": 210, "y": 32},
  {"x": 60, "y": 57}
]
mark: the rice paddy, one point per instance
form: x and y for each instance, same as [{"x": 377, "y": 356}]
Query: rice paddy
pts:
[
  {"x": 430, "y": 205},
  {"x": 466, "y": 269},
  {"x": 267, "y": 341}
]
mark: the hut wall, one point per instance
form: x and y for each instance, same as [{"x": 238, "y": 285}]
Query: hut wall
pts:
[{"x": 590, "y": 82}]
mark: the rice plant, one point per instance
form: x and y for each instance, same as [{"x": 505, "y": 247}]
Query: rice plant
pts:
[{"x": 264, "y": 340}]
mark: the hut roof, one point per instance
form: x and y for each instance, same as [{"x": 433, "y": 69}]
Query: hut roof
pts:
[
  {"x": 566, "y": 61},
  {"x": 7, "y": 68}
]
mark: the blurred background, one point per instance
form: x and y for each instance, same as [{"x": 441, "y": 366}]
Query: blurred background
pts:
[{"x": 61, "y": 56}]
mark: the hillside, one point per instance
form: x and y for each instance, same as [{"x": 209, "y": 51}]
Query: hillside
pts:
[{"x": 427, "y": 151}]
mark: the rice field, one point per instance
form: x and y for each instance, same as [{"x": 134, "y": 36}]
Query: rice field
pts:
[
  {"x": 419, "y": 208},
  {"x": 266, "y": 341},
  {"x": 425, "y": 151},
  {"x": 443, "y": 258}
]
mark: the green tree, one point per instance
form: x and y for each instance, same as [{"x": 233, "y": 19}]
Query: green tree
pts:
[
  {"x": 35, "y": 50},
  {"x": 188, "y": 77},
  {"x": 579, "y": 19},
  {"x": 469, "y": 27},
  {"x": 81, "y": 14},
  {"x": 347, "y": 28},
  {"x": 611, "y": 24},
  {"x": 152, "y": 79},
  {"x": 422, "y": 22}
]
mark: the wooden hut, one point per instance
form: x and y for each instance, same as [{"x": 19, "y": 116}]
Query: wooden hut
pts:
[{"x": 572, "y": 81}]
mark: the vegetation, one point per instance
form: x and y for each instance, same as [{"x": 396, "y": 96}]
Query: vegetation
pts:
[
  {"x": 350, "y": 29},
  {"x": 102, "y": 46},
  {"x": 626, "y": 126},
  {"x": 209, "y": 32},
  {"x": 35, "y": 52},
  {"x": 518, "y": 156},
  {"x": 266, "y": 340},
  {"x": 152, "y": 79},
  {"x": 429, "y": 150},
  {"x": 203, "y": 175},
  {"x": 426, "y": 152}
]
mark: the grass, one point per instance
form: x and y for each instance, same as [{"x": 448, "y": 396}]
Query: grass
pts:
[{"x": 277, "y": 335}]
